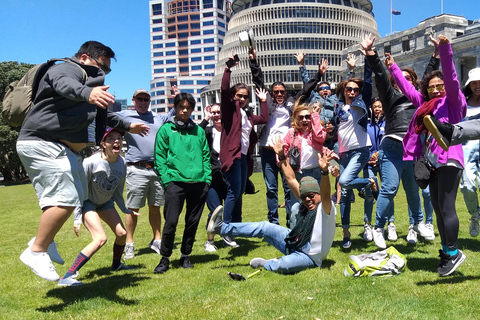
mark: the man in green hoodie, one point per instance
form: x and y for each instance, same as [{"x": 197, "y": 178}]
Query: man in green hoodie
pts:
[{"x": 182, "y": 161}]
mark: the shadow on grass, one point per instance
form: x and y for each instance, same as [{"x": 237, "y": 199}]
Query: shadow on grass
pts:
[
  {"x": 457, "y": 278},
  {"x": 105, "y": 288}
]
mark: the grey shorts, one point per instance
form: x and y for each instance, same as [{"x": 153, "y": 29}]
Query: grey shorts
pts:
[
  {"x": 143, "y": 184},
  {"x": 55, "y": 171},
  {"x": 90, "y": 206}
]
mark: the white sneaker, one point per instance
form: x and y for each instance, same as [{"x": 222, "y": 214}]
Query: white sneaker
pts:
[
  {"x": 51, "y": 251},
  {"x": 423, "y": 231},
  {"x": 412, "y": 235},
  {"x": 392, "y": 232},
  {"x": 431, "y": 229},
  {"x": 40, "y": 264},
  {"x": 69, "y": 282},
  {"x": 367, "y": 232},
  {"x": 474, "y": 228},
  {"x": 379, "y": 238},
  {"x": 129, "y": 251},
  {"x": 155, "y": 245},
  {"x": 210, "y": 247},
  {"x": 230, "y": 242}
]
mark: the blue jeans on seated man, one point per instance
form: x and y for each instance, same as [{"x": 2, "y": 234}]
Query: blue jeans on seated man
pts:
[
  {"x": 351, "y": 163},
  {"x": 270, "y": 174},
  {"x": 392, "y": 168},
  {"x": 275, "y": 235}
]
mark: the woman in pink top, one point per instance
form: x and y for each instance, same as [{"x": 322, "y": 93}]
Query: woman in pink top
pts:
[{"x": 439, "y": 95}]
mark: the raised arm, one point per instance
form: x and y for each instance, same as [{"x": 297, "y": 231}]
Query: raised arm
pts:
[
  {"x": 406, "y": 87},
  {"x": 311, "y": 84},
  {"x": 324, "y": 162},
  {"x": 257, "y": 74}
]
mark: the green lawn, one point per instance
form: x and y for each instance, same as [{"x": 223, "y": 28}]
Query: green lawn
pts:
[{"x": 206, "y": 292}]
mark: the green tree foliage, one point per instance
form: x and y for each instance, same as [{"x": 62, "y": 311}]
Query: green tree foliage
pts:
[{"x": 10, "y": 165}]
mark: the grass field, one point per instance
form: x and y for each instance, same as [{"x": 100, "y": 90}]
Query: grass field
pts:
[{"x": 206, "y": 292}]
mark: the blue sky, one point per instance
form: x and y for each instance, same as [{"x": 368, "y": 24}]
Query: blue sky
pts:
[{"x": 34, "y": 31}]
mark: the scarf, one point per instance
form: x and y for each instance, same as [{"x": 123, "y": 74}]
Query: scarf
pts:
[
  {"x": 425, "y": 109},
  {"x": 302, "y": 232}
]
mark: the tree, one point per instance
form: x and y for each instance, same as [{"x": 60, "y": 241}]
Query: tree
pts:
[{"x": 10, "y": 165}]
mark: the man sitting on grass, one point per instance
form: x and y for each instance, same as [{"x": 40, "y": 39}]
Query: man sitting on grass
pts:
[{"x": 308, "y": 243}]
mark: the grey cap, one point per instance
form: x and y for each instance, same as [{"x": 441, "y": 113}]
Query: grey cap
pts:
[{"x": 138, "y": 91}]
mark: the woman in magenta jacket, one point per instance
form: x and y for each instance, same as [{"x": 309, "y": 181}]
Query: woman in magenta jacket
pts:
[
  {"x": 237, "y": 142},
  {"x": 439, "y": 95}
]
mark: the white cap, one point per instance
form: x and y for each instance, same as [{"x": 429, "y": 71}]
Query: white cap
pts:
[
  {"x": 473, "y": 75},
  {"x": 138, "y": 91}
]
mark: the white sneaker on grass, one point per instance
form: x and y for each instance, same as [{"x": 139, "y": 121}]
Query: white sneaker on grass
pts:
[
  {"x": 40, "y": 264},
  {"x": 431, "y": 229},
  {"x": 379, "y": 238},
  {"x": 52, "y": 251},
  {"x": 412, "y": 235},
  {"x": 367, "y": 232},
  {"x": 392, "y": 232},
  {"x": 230, "y": 242},
  {"x": 474, "y": 228},
  {"x": 210, "y": 247},
  {"x": 129, "y": 251},
  {"x": 155, "y": 245},
  {"x": 423, "y": 231},
  {"x": 69, "y": 282}
]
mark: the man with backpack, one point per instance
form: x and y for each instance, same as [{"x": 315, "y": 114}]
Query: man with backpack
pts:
[{"x": 53, "y": 133}]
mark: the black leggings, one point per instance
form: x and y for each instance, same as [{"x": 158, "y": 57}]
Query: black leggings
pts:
[{"x": 443, "y": 190}]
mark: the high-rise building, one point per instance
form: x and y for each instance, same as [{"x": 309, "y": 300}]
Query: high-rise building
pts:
[
  {"x": 321, "y": 28},
  {"x": 186, "y": 38}
]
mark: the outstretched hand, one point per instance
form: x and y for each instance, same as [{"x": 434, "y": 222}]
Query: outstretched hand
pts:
[
  {"x": 100, "y": 97},
  {"x": 278, "y": 147},
  {"x": 323, "y": 66},
  {"x": 300, "y": 56},
  {"x": 367, "y": 46},
  {"x": 261, "y": 94},
  {"x": 139, "y": 128},
  {"x": 351, "y": 61},
  {"x": 175, "y": 90},
  {"x": 388, "y": 60},
  {"x": 325, "y": 157}
]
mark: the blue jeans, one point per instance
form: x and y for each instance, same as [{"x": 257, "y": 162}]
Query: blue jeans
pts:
[
  {"x": 369, "y": 199},
  {"x": 471, "y": 176},
  {"x": 351, "y": 163},
  {"x": 274, "y": 235},
  {"x": 427, "y": 206},
  {"x": 392, "y": 168},
  {"x": 270, "y": 175},
  {"x": 236, "y": 178}
]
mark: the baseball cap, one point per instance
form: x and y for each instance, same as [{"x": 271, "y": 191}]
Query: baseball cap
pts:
[
  {"x": 108, "y": 130},
  {"x": 138, "y": 91}
]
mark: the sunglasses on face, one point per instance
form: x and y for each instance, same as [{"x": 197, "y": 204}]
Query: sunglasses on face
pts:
[
  {"x": 349, "y": 89},
  {"x": 438, "y": 87},
  {"x": 104, "y": 68},
  {"x": 324, "y": 88},
  {"x": 282, "y": 92},
  {"x": 310, "y": 196},
  {"x": 143, "y": 99},
  {"x": 306, "y": 117},
  {"x": 240, "y": 96}
]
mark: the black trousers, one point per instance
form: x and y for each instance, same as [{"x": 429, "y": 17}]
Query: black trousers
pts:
[
  {"x": 443, "y": 191},
  {"x": 194, "y": 194}
]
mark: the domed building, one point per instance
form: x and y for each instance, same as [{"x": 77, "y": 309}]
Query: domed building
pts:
[{"x": 321, "y": 28}]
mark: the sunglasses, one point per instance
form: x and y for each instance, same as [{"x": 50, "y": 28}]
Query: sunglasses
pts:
[
  {"x": 306, "y": 117},
  {"x": 279, "y": 92},
  {"x": 240, "y": 96},
  {"x": 356, "y": 89},
  {"x": 324, "y": 88},
  {"x": 438, "y": 87},
  {"x": 310, "y": 196},
  {"x": 408, "y": 78},
  {"x": 104, "y": 68},
  {"x": 143, "y": 99}
]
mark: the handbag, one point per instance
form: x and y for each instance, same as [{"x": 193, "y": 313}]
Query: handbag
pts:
[
  {"x": 422, "y": 170},
  {"x": 294, "y": 156}
]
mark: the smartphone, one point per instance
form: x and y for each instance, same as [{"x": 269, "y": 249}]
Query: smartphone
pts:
[{"x": 231, "y": 63}]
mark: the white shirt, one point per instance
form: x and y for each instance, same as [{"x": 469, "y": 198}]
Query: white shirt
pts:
[
  {"x": 246, "y": 129},
  {"x": 351, "y": 135}
]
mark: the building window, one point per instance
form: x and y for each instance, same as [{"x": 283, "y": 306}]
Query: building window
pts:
[
  {"x": 195, "y": 25},
  {"x": 182, "y": 18},
  {"x": 158, "y": 54},
  {"x": 210, "y": 40},
  {"x": 222, "y": 33},
  {"x": 183, "y": 69},
  {"x": 221, "y": 24},
  {"x": 405, "y": 45},
  {"x": 158, "y": 70},
  {"x": 161, "y": 93},
  {"x": 171, "y": 61},
  {"x": 183, "y": 52},
  {"x": 194, "y": 59},
  {"x": 195, "y": 33},
  {"x": 208, "y": 49},
  {"x": 158, "y": 45},
  {"x": 186, "y": 82},
  {"x": 208, "y": 23},
  {"x": 208, "y": 32},
  {"x": 221, "y": 16},
  {"x": 196, "y": 67},
  {"x": 207, "y": 4},
  {"x": 157, "y": 38},
  {"x": 184, "y": 60},
  {"x": 195, "y": 17},
  {"x": 183, "y": 35},
  {"x": 196, "y": 42},
  {"x": 155, "y": 21},
  {"x": 196, "y": 50},
  {"x": 183, "y": 27},
  {"x": 170, "y": 53},
  {"x": 169, "y": 44},
  {"x": 183, "y": 44},
  {"x": 157, "y": 9},
  {"x": 159, "y": 84},
  {"x": 171, "y": 69},
  {"x": 220, "y": 4},
  {"x": 170, "y": 20},
  {"x": 208, "y": 14},
  {"x": 203, "y": 82},
  {"x": 155, "y": 63},
  {"x": 157, "y": 29},
  {"x": 209, "y": 66},
  {"x": 207, "y": 58},
  {"x": 387, "y": 49}
]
